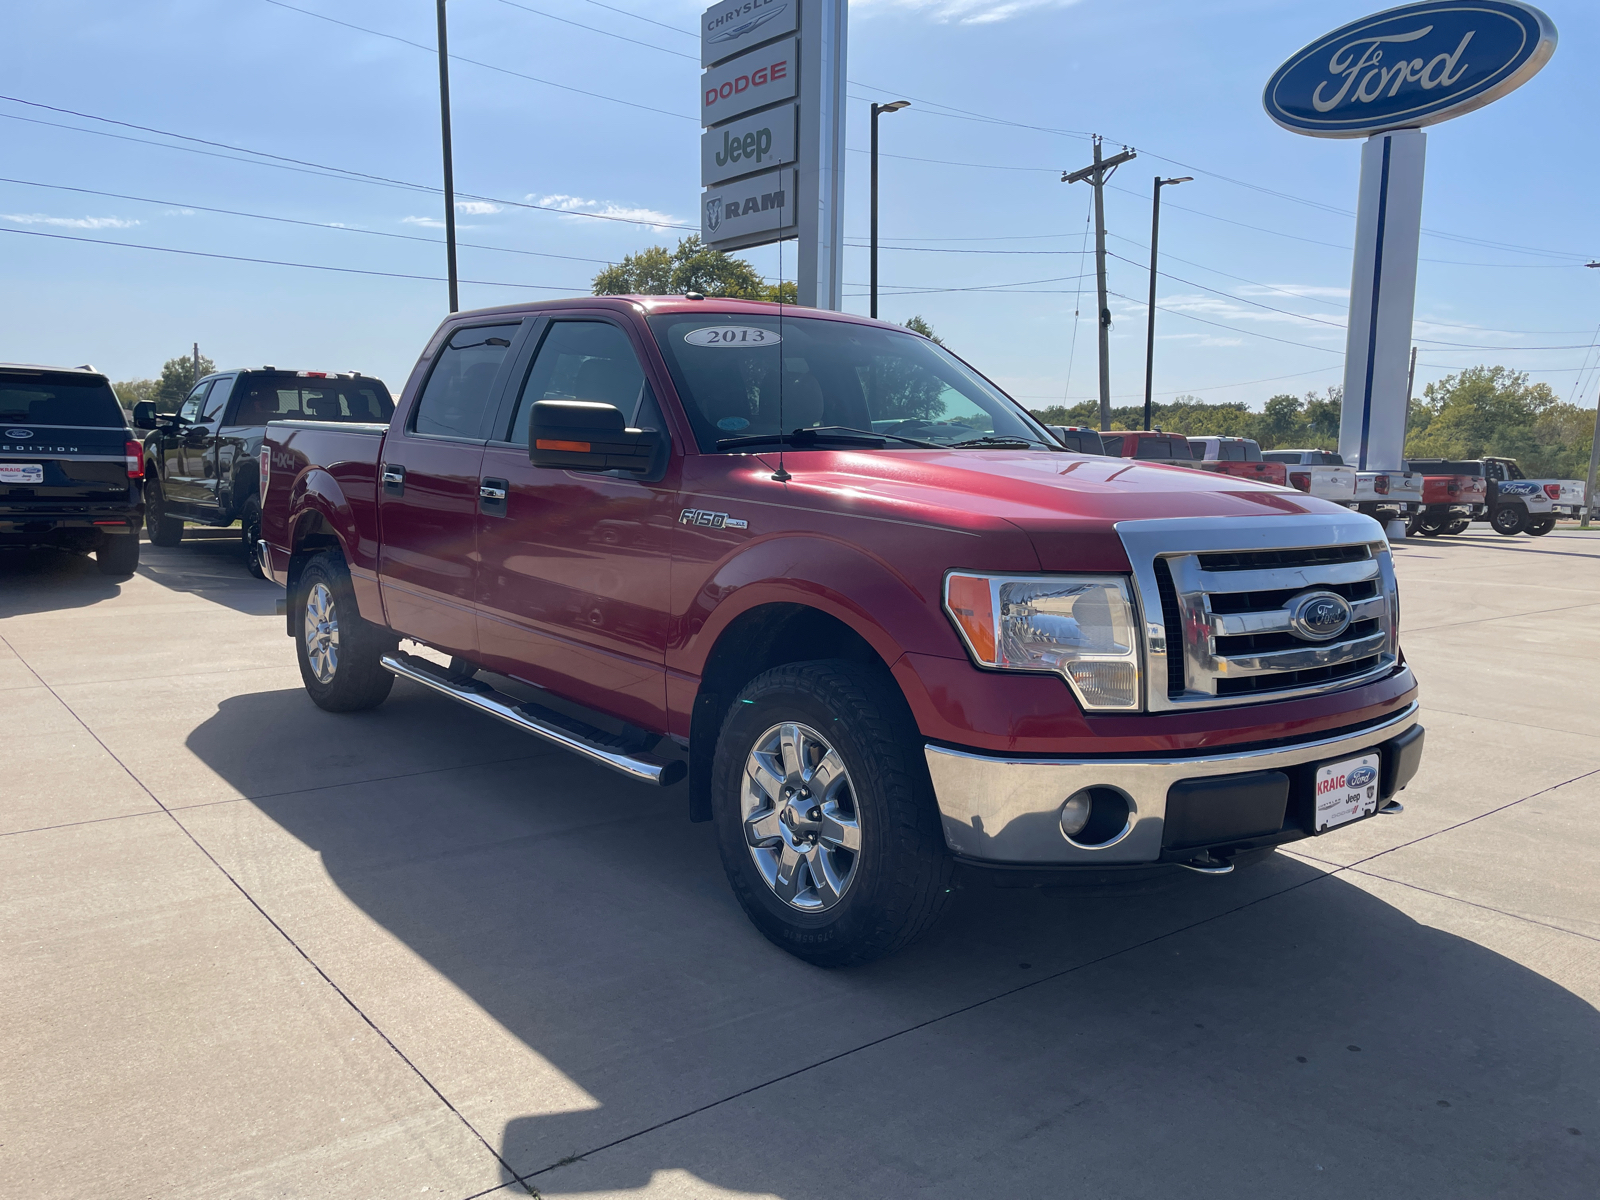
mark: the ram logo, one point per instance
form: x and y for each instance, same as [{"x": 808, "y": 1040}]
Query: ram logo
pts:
[{"x": 1360, "y": 777}]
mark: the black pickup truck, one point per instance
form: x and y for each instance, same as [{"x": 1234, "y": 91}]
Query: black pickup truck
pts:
[
  {"x": 70, "y": 469},
  {"x": 202, "y": 463}
]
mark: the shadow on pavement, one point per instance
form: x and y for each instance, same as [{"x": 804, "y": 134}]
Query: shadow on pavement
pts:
[
  {"x": 210, "y": 564},
  {"x": 45, "y": 580},
  {"x": 1268, "y": 1033}
]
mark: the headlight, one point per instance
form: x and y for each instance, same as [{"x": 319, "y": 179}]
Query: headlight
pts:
[{"x": 1079, "y": 626}]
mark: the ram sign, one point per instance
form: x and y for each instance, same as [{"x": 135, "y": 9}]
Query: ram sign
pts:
[{"x": 760, "y": 204}]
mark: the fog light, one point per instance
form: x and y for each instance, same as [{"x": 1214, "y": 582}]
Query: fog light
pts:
[
  {"x": 1075, "y": 813},
  {"x": 1095, "y": 817}
]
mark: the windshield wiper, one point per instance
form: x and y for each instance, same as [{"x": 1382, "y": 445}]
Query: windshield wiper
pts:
[
  {"x": 990, "y": 440},
  {"x": 837, "y": 435}
]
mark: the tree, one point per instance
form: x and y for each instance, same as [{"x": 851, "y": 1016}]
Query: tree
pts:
[
  {"x": 135, "y": 391},
  {"x": 177, "y": 378},
  {"x": 692, "y": 267},
  {"x": 1496, "y": 411},
  {"x": 918, "y": 325}
]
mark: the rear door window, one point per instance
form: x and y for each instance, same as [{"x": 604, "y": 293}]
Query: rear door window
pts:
[
  {"x": 59, "y": 398},
  {"x": 455, "y": 402}
]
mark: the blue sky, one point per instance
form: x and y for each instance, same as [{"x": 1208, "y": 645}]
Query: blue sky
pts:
[{"x": 1003, "y": 93}]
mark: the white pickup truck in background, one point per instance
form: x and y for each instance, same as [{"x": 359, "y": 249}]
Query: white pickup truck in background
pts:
[{"x": 1319, "y": 473}]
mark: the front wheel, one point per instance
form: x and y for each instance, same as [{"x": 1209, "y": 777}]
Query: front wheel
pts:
[
  {"x": 250, "y": 534},
  {"x": 1459, "y": 525},
  {"x": 826, "y": 820},
  {"x": 339, "y": 652},
  {"x": 164, "y": 530},
  {"x": 1508, "y": 520},
  {"x": 1541, "y": 526}
]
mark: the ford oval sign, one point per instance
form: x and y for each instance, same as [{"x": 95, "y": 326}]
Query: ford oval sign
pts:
[
  {"x": 1319, "y": 616},
  {"x": 1410, "y": 66},
  {"x": 1360, "y": 777}
]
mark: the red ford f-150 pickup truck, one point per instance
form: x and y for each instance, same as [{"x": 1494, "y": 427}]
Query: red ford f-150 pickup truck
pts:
[{"x": 884, "y": 621}]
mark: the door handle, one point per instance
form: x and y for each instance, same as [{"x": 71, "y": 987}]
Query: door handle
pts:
[
  {"x": 492, "y": 497},
  {"x": 394, "y": 479}
]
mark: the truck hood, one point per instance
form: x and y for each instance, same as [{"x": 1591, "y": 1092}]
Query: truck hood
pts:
[{"x": 1067, "y": 504}]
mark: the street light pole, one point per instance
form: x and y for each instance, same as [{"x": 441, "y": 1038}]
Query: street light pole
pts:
[
  {"x": 1594, "y": 455},
  {"x": 449, "y": 169},
  {"x": 1150, "y": 336},
  {"x": 892, "y": 106}
]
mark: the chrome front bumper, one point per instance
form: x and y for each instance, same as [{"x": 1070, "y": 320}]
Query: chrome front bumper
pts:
[{"x": 1007, "y": 810}]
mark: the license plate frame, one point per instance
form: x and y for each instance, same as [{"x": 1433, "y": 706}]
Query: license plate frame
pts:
[
  {"x": 1335, "y": 801},
  {"x": 21, "y": 472}
]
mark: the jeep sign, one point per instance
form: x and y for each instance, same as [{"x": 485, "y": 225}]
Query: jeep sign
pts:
[
  {"x": 761, "y": 204},
  {"x": 756, "y": 143}
]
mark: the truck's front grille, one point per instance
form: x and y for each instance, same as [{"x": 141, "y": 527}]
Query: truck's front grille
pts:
[{"x": 1236, "y": 625}]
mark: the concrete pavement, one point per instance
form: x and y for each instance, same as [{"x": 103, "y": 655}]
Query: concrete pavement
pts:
[{"x": 251, "y": 949}]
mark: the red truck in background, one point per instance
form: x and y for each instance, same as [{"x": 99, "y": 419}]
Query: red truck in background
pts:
[
  {"x": 1451, "y": 499},
  {"x": 887, "y": 626},
  {"x": 1237, "y": 456}
]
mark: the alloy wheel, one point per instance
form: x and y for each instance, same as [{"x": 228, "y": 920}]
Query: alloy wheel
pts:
[
  {"x": 322, "y": 633},
  {"x": 801, "y": 823}
]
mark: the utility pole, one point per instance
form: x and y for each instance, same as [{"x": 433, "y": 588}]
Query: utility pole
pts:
[
  {"x": 1096, "y": 173},
  {"x": 1411, "y": 378},
  {"x": 1594, "y": 454},
  {"x": 196, "y": 377},
  {"x": 449, "y": 169},
  {"x": 1150, "y": 337},
  {"x": 892, "y": 106}
]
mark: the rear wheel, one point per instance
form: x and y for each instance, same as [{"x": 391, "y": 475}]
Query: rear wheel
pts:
[
  {"x": 339, "y": 652},
  {"x": 250, "y": 534},
  {"x": 117, "y": 554},
  {"x": 1508, "y": 519},
  {"x": 825, "y": 816},
  {"x": 164, "y": 530},
  {"x": 1459, "y": 525},
  {"x": 1541, "y": 526},
  {"x": 1430, "y": 526}
]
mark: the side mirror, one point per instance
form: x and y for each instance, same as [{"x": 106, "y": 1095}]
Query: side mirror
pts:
[
  {"x": 585, "y": 435},
  {"x": 144, "y": 415}
]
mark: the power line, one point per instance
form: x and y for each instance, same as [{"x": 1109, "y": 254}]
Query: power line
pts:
[
  {"x": 394, "y": 37},
  {"x": 539, "y": 12},
  {"x": 273, "y": 262},
  {"x": 231, "y": 212}
]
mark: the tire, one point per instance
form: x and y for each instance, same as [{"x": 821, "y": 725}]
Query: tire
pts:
[
  {"x": 164, "y": 530},
  {"x": 1459, "y": 525},
  {"x": 881, "y": 878},
  {"x": 117, "y": 555},
  {"x": 339, "y": 652},
  {"x": 250, "y": 534},
  {"x": 1508, "y": 520},
  {"x": 1540, "y": 526},
  {"x": 1413, "y": 527},
  {"x": 1430, "y": 526}
]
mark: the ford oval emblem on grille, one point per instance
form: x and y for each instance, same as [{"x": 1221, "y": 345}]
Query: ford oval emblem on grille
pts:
[
  {"x": 1319, "y": 616},
  {"x": 18, "y": 435},
  {"x": 1360, "y": 777}
]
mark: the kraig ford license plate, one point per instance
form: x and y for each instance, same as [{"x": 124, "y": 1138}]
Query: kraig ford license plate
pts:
[
  {"x": 21, "y": 473},
  {"x": 1346, "y": 790}
]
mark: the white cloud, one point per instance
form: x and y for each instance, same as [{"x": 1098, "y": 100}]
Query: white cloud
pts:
[
  {"x": 425, "y": 222},
  {"x": 1219, "y": 308},
  {"x": 578, "y": 206},
  {"x": 68, "y": 222},
  {"x": 1310, "y": 290},
  {"x": 476, "y": 208},
  {"x": 963, "y": 12}
]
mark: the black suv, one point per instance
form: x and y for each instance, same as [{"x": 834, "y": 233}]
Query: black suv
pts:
[
  {"x": 202, "y": 464},
  {"x": 70, "y": 469}
]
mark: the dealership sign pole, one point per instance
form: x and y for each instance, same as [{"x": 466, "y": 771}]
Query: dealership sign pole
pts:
[
  {"x": 772, "y": 154},
  {"x": 1383, "y": 78}
]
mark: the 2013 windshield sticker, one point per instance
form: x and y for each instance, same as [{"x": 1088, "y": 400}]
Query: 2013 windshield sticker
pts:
[{"x": 732, "y": 335}]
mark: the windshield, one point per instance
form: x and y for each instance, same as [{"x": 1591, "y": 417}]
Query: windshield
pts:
[
  {"x": 59, "y": 398},
  {"x": 833, "y": 375}
]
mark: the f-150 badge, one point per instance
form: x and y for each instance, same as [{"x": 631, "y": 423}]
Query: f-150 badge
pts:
[{"x": 706, "y": 519}]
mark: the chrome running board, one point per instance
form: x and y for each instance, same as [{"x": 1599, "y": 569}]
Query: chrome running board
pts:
[{"x": 554, "y": 727}]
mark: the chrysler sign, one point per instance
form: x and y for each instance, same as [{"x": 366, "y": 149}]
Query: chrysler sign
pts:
[
  {"x": 1410, "y": 66},
  {"x": 726, "y": 29}
]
